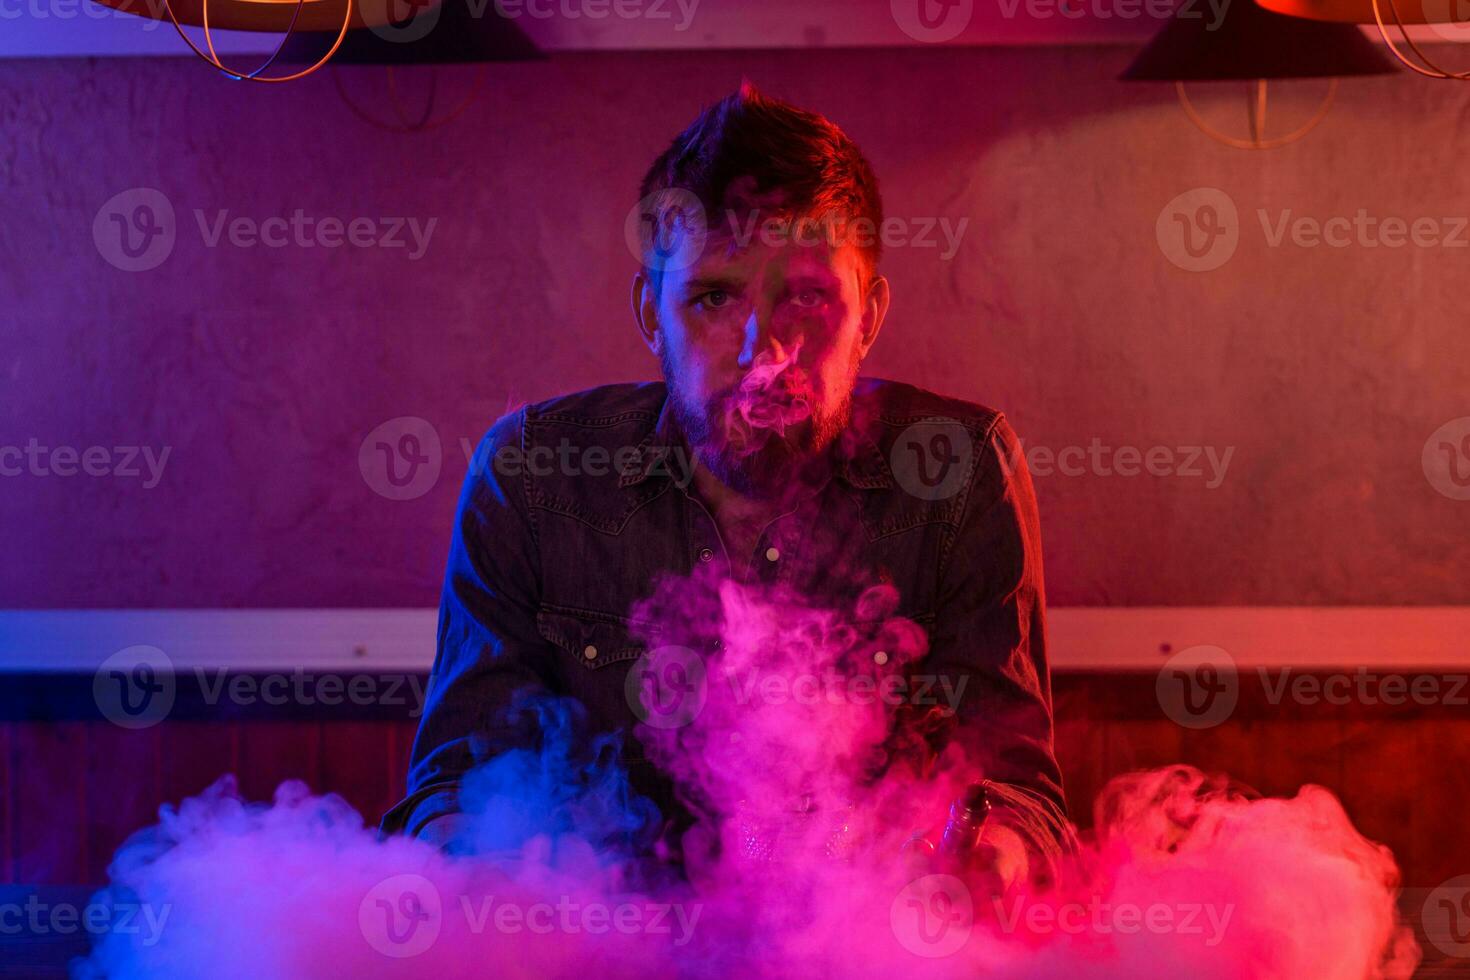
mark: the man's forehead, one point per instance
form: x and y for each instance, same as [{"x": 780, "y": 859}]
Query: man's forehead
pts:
[{"x": 736, "y": 253}]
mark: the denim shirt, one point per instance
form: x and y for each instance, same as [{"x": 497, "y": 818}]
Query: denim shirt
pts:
[{"x": 578, "y": 504}]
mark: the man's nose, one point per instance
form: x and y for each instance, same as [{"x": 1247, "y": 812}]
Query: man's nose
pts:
[{"x": 763, "y": 343}]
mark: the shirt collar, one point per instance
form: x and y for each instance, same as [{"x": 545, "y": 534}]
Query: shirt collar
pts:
[{"x": 652, "y": 453}]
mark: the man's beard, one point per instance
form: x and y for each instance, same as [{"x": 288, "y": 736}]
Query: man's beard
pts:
[{"x": 765, "y": 437}]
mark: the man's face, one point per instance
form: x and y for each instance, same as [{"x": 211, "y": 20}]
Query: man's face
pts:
[{"x": 760, "y": 339}]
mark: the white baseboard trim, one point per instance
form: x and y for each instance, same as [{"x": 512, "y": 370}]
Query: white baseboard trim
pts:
[
  {"x": 1082, "y": 638},
  {"x": 1304, "y": 637},
  {"x": 237, "y": 639}
]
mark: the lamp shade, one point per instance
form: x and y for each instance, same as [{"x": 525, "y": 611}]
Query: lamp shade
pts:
[
  {"x": 273, "y": 16},
  {"x": 1361, "y": 11},
  {"x": 1249, "y": 42}
]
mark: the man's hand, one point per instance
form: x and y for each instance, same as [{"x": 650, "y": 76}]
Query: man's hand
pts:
[
  {"x": 1000, "y": 858},
  {"x": 446, "y": 832}
]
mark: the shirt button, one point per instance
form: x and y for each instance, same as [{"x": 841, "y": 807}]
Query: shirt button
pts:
[
  {"x": 590, "y": 653},
  {"x": 705, "y": 554},
  {"x": 772, "y": 554},
  {"x": 880, "y": 658}
]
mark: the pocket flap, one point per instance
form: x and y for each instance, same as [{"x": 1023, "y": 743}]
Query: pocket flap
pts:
[{"x": 594, "y": 639}]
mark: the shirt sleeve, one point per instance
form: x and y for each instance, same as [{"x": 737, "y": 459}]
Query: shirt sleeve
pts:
[
  {"x": 489, "y": 649},
  {"x": 990, "y": 634}
]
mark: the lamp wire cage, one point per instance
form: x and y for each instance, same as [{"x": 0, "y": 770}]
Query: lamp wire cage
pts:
[
  {"x": 258, "y": 74},
  {"x": 1256, "y": 118},
  {"x": 1424, "y": 65}
]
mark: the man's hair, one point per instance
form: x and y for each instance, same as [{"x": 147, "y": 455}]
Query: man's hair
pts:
[{"x": 749, "y": 137}]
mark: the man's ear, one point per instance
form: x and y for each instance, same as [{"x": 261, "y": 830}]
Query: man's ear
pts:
[
  {"x": 645, "y": 312},
  {"x": 875, "y": 309}
]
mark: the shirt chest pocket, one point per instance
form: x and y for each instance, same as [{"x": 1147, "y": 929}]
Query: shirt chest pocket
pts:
[{"x": 590, "y": 639}]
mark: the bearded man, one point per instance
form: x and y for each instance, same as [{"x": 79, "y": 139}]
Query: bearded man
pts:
[{"x": 764, "y": 458}]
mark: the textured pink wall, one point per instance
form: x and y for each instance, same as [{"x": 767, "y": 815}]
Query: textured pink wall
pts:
[{"x": 262, "y": 370}]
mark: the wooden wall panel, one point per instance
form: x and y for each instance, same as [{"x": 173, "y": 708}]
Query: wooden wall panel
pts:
[
  {"x": 123, "y": 778},
  {"x": 1386, "y": 788},
  {"x": 194, "y": 754},
  {"x": 74, "y": 789},
  {"x": 357, "y": 764},
  {"x": 1081, "y": 749},
  {"x": 7, "y": 803},
  {"x": 1233, "y": 747},
  {"x": 272, "y": 752},
  {"x": 51, "y": 796},
  {"x": 1441, "y": 798}
]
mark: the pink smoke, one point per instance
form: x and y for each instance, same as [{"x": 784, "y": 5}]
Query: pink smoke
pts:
[
  {"x": 795, "y": 868},
  {"x": 772, "y": 397}
]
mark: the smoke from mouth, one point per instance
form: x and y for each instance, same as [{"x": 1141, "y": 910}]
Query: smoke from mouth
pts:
[
  {"x": 794, "y": 867},
  {"x": 771, "y": 400}
]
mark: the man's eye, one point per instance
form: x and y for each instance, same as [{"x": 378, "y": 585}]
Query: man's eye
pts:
[
  {"x": 714, "y": 299},
  {"x": 809, "y": 297}
]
